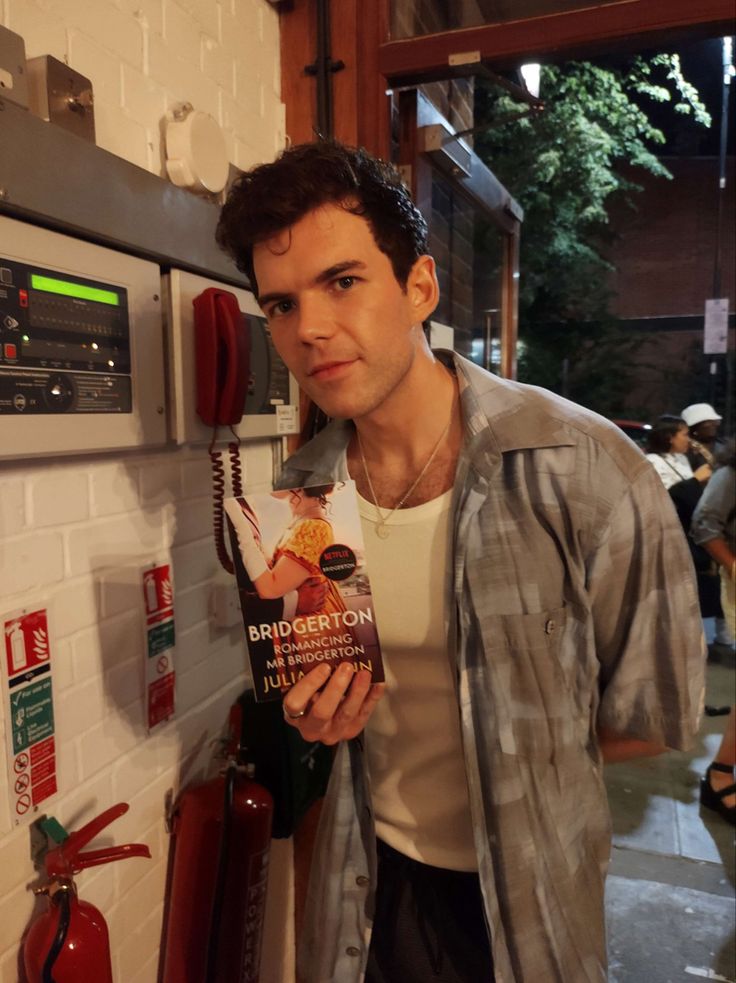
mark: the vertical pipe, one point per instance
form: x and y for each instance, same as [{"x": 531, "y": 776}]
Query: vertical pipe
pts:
[
  {"x": 510, "y": 303},
  {"x": 728, "y": 71},
  {"x": 727, "y": 48},
  {"x": 488, "y": 339},
  {"x": 325, "y": 122}
]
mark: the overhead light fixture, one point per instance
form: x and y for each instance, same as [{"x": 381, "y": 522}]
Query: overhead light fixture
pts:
[{"x": 531, "y": 74}]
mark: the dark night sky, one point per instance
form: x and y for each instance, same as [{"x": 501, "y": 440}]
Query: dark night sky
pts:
[{"x": 702, "y": 66}]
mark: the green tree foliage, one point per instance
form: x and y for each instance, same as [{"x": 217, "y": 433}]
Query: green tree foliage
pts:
[{"x": 565, "y": 166}]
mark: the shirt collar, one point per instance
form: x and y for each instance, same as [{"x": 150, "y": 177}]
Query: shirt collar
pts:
[{"x": 498, "y": 415}]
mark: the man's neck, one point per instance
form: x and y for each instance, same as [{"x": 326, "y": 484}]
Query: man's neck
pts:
[
  {"x": 422, "y": 424},
  {"x": 407, "y": 425}
]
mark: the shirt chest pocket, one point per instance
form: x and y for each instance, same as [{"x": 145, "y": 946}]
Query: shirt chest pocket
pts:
[{"x": 536, "y": 711}]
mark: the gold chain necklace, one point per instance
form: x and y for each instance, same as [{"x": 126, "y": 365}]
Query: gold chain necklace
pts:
[{"x": 383, "y": 520}]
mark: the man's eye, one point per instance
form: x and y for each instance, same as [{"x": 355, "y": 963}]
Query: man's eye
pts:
[
  {"x": 345, "y": 282},
  {"x": 280, "y": 308}
]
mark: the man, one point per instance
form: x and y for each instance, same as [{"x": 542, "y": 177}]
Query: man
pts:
[
  {"x": 517, "y": 546},
  {"x": 703, "y": 422}
]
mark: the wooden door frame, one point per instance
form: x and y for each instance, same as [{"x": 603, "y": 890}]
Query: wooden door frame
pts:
[{"x": 628, "y": 24}]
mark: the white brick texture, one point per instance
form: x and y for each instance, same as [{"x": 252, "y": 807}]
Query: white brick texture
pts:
[
  {"x": 74, "y": 534},
  {"x": 145, "y": 56}
]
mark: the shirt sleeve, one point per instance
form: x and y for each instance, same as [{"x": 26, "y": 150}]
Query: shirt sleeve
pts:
[
  {"x": 648, "y": 631},
  {"x": 711, "y": 515}
]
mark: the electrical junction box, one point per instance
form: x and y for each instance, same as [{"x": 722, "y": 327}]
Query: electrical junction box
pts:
[
  {"x": 13, "y": 79},
  {"x": 81, "y": 346},
  {"x": 224, "y": 602},
  {"x": 60, "y": 95},
  {"x": 272, "y": 403}
]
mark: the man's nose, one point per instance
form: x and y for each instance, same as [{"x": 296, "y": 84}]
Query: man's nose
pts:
[{"x": 315, "y": 319}]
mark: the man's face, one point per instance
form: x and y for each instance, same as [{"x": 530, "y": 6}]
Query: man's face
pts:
[
  {"x": 338, "y": 316},
  {"x": 706, "y": 430}
]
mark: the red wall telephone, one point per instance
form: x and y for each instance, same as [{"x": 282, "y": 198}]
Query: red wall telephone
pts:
[
  {"x": 222, "y": 359},
  {"x": 222, "y": 347}
]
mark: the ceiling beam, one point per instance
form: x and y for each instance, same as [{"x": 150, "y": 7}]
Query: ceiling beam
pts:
[{"x": 634, "y": 24}]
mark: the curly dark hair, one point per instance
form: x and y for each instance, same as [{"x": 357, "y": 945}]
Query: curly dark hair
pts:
[
  {"x": 659, "y": 438},
  {"x": 273, "y": 197}
]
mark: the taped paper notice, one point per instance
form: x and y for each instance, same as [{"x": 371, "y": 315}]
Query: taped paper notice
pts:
[{"x": 286, "y": 419}]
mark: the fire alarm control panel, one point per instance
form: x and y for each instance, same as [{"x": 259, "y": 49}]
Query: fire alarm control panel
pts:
[{"x": 81, "y": 346}]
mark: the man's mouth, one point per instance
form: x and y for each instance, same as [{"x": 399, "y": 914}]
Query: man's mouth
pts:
[{"x": 327, "y": 370}]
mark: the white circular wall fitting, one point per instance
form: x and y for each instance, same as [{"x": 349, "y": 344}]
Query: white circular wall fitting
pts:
[{"x": 196, "y": 156}]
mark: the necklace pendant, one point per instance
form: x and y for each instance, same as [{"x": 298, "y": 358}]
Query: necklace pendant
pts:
[{"x": 381, "y": 531}]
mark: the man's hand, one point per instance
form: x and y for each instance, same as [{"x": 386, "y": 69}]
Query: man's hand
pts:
[
  {"x": 340, "y": 711},
  {"x": 312, "y": 594}
]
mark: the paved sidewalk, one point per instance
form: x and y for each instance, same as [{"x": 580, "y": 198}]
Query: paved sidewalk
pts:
[{"x": 670, "y": 893}]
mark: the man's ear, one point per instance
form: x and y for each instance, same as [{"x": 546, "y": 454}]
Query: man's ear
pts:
[{"x": 422, "y": 288}]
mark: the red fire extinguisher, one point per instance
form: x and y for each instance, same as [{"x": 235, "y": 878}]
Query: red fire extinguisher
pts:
[
  {"x": 69, "y": 942},
  {"x": 218, "y": 880}
]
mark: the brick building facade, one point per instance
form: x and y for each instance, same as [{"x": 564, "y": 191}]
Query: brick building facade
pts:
[{"x": 663, "y": 257}]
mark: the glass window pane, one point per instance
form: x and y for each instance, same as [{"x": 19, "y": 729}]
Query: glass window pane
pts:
[
  {"x": 468, "y": 251},
  {"x": 415, "y": 18}
]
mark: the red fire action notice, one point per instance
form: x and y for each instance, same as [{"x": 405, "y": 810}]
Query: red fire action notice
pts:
[
  {"x": 158, "y": 596},
  {"x": 31, "y": 750}
]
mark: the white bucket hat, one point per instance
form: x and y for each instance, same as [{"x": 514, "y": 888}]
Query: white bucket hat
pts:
[{"x": 699, "y": 413}]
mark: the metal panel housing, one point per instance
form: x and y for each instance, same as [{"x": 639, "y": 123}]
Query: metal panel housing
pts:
[{"x": 56, "y": 179}]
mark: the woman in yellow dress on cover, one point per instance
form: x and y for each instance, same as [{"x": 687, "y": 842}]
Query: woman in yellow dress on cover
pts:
[
  {"x": 297, "y": 553},
  {"x": 296, "y": 557}
]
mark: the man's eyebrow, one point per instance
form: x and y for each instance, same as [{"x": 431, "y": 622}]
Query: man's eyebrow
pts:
[
  {"x": 329, "y": 274},
  {"x": 332, "y": 271}
]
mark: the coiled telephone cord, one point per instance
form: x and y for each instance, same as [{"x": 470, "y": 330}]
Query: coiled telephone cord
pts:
[{"x": 218, "y": 492}]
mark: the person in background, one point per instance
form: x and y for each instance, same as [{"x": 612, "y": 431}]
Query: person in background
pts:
[
  {"x": 703, "y": 422},
  {"x": 705, "y": 444},
  {"x": 668, "y": 443},
  {"x": 534, "y": 599},
  {"x": 714, "y": 528},
  {"x": 667, "y": 446}
]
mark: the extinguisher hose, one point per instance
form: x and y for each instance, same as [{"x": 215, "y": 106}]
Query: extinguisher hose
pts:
[
  {"x": 222, "y": 864},
  {"x": 59, "y": 939}
]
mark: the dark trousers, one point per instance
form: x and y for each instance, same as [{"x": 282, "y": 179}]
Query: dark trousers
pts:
[{"x": 429, "y": 925}]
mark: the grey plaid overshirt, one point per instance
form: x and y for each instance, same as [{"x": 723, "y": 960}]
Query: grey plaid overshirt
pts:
[{"x": 574, "y": 607}]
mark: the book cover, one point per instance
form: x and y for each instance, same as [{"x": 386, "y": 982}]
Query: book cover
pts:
[{"x": 303, "y": 585}]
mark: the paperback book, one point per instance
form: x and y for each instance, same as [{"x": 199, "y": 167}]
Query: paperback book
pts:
[{"x": 304, "y": 589}]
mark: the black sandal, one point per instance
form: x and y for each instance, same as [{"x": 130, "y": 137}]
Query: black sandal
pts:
[{"x": 713, "y": 798}]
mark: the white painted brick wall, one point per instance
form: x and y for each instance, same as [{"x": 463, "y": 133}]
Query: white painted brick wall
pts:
[
  {"x": 72, "y": 531},
  {"x": 145, "y": 56},
  {"x": 102, "y": 523}
]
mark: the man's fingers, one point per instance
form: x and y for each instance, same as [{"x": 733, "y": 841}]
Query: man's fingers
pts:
[
  {"x": 326, "y": 705},
  {"x": 356, "y": 695},
  {"x": 340, "y": 711},
  {"x": 301, "y": 693}
]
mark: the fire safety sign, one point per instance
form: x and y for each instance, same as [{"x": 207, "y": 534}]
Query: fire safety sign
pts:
[
  {"x": 29, "y": 700},
  {"x": 158, "y": 597}
]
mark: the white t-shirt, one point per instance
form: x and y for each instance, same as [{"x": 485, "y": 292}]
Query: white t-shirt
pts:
[
  {"x": 671, "y": 468},
  {"x": 413, "y": 739}
]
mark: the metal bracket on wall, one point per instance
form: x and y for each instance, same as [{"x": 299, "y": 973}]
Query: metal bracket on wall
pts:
[{"x": 55, "y": 179}]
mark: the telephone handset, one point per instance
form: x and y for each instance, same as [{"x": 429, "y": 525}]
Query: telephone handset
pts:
[
  {"x": 222, "y": 346},
  {"x": 222, "y": 350}
]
